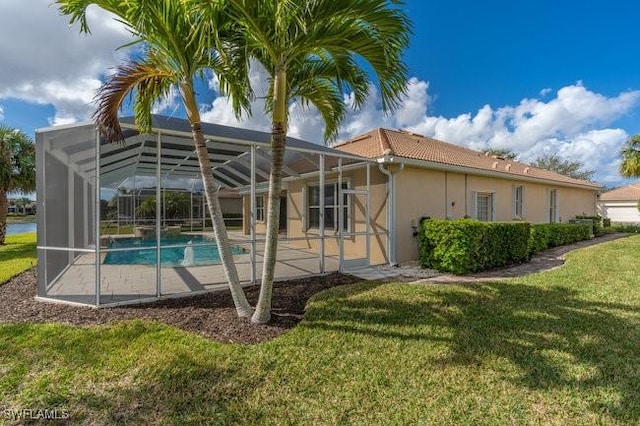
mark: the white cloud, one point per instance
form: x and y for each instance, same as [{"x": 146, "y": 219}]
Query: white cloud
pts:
[
  {"x": 50, "y": 62},
  {"x": 168, "y": 104},
  {"x": 573, "y": 124},
  {"x": 1, "y": 113}
]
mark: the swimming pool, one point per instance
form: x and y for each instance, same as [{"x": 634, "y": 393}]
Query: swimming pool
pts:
[{"x": 202, "y": 251}]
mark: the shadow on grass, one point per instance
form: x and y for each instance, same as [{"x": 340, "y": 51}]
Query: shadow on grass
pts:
[
  {"x": 130, "y": 373},
  {"x": 18, "y": 251},
  {"x": 546, "y": 332}
]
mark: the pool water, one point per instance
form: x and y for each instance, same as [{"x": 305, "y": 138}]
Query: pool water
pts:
[{"x": 203, "y": 251}]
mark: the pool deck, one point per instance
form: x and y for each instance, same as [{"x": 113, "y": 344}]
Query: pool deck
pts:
[{"x": 120, "y": 284}]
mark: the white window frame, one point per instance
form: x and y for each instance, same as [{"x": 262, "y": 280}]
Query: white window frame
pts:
[
  {"x": 518, "y": 202},
  {"x": 552, "y": 203},
  {"x": 491, "y": 211},
  {"x": 260, "y": 209},
  {"x": 336, "y": 206}
]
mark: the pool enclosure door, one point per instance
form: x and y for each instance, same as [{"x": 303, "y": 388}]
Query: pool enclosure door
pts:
[{"x": 354, "y": 223}]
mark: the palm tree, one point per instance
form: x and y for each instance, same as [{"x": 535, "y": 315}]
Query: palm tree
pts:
[
  {"x": 17, "y": 169},
  {"x": 175, "y": 55},
  {"x": 314, "y": 51},
  {"x": 630, "y": 166}
]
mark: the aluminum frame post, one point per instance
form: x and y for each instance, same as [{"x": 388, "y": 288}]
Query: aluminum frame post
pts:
[
  {"x": 252, "y": 216},
  {"x": 340, "y": 217},
  {"x": 191, "y": 209},
  {"x": 158, "y": 213},
  {"x": 97, "y": 217},
  {"x": 368, "y": 215},
  {"x": 321, "y": 223},
  {"x": 71, "y": 229}
]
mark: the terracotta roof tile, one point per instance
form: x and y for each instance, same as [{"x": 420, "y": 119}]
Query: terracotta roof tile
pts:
[
  {"x": 417, "y": 147},
  {"x": 629, "y": 192}
]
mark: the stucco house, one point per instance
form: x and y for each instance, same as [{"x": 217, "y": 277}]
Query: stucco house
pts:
[
  {"x": 418, "y": 177},
  {"x": 621, "y": 204},
  {"x": 350, "y": 205}
]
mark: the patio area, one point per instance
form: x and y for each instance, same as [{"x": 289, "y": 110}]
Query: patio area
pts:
[
  {"x": 126, "y": 284},
  {"x": 147, "y": 191}
]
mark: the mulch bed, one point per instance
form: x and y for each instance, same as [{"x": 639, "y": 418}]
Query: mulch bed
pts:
[{"x": 212, "y": 315}]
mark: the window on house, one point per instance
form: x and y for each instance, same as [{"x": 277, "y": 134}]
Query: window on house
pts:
[
  {"x": 260, "y": 208},
  {"x": 553, "y": 205},
  {"x": 518, "y": 202},
  {"x": 484, "y": 207},
  {"x": 331, "y": 206}
]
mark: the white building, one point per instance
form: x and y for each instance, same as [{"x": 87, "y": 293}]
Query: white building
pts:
[{"x": 621, "y": 204}]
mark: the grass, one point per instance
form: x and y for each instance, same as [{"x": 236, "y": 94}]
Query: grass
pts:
[
  {"x": 17, "y": 255},
  {"x": 560, "y": 347}
]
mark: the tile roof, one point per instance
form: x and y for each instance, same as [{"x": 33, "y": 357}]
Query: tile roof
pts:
[
  {"x": 401, "y": 143},
  {"x": 629, "y": 192}
]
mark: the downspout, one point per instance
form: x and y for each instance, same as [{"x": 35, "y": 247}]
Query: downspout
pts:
[{"x": 391, "y": 211}]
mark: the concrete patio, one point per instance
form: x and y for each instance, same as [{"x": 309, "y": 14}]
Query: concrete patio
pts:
[{"x": 121, "y": 284}]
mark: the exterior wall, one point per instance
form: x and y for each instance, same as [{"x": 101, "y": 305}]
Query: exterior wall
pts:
[
  {"x": 355, "y": 247},
  {"x": 231, "y": 206},
  {"x": 261, "y": 225},
  {"x": 438, "y": 194},
  {"x": 420, "y": 193},
  {"x": 620, "y": 211}
]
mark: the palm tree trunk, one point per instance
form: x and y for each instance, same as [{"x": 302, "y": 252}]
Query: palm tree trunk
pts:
[
  {"x": 242, "y": 305},
  {"x": 3, "y": 215},
  {"x": 278, "y": 143}
]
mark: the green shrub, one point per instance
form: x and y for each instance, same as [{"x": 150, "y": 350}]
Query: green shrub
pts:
[
  {"x": 548, "y": 235},
  {"x": 467, "y": 245},
  {"x": 598, "y": 228},
  {"x": 626, "y": 227}
]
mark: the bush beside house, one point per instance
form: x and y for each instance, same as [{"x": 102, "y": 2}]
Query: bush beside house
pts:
[{"x": 467, "y": 245}]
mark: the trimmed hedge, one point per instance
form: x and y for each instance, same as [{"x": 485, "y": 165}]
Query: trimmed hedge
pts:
[
  {"x": 625, "y": 227},
  {"x": 465, "y": 246},
  {"x": 548, "y": 235},
  {"x": 598, "y": 228}
]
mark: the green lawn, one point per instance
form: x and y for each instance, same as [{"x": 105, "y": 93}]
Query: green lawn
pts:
[
  {"x": 560, "y": 347},
  {"x": 17, "y": 255}
]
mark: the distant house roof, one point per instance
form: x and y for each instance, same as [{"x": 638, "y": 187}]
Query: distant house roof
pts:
[
  {"x": 629, "y": 192},
  {"x": 400, "y": 143}
]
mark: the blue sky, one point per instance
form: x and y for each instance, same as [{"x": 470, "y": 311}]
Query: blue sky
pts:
[
  {"x": 536, "y": 77},
  {"x": 498, "y": 52}
]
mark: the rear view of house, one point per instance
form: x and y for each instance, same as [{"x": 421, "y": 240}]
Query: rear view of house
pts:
[
  {"x": 430, "y": 178},
  {"x": 414, "y": 177}
]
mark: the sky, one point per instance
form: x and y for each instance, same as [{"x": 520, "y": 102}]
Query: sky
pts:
[{"x": 543, "y": 77}]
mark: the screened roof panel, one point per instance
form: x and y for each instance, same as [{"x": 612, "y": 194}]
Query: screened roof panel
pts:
[{"x": 228, "y": 148}]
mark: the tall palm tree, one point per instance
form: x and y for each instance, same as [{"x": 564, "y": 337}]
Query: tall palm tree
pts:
[
  {"x": 315, "y": 51},
  {"x": 17, "y": 169},
  {"x": 175, "y": 55},
  {"x": 630, "y": 166}
]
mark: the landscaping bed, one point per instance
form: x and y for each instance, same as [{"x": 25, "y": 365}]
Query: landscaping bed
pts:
[{"x": 212, "y": 315}]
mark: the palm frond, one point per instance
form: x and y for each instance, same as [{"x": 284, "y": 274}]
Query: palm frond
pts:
[
  {"x": 17, "y": 160},
  {"x": 147, "y": 79},
  {"x": 77, "y": 10},
  {"x": 630, "y": 165}
]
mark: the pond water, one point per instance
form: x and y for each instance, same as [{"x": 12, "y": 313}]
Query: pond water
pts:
[{"x": 20, "y": 228}]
